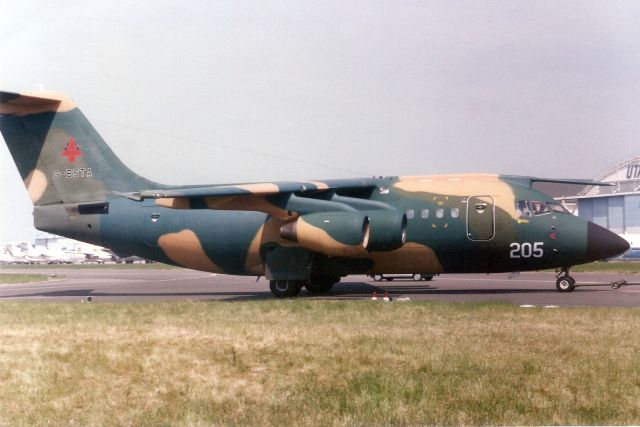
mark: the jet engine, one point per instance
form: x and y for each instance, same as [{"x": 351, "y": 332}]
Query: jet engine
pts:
[
  {"x": 330, "y": 233},
  {"x": 347, "y": 234},
  {"x": 387, "y": 230}
]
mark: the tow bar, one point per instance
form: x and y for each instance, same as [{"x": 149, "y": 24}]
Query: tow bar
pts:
[{"x": 618, "y": 284}]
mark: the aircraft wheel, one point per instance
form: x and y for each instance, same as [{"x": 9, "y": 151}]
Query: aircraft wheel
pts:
[
  {"x": 566, "y": 284},
  {"x": 417, "y": 277},
  {"x": 427, "y": 277},
  {"x": 377, "y": 277},
  {"x": 285, "y": 288},
  {"x": 322, "y": 284}
]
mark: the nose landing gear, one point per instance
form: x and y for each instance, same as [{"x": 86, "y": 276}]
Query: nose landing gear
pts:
[{"x": 564, "y": 282}]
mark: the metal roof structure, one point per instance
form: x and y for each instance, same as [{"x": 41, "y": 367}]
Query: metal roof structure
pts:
[{"x": 625, "y": 174}]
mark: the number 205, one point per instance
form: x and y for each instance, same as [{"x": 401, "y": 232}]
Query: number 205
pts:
[{"x": 526, "y": 250}]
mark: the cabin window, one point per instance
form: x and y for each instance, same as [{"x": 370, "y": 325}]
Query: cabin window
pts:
[
  {"x": 455, "y": 212},
  {"x": 410, "y": 213},
  {"x": 439, "y": 213},
  {"x": 424, "y": 213}
]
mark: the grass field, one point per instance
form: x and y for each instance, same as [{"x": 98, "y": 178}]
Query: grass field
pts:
[
  {"x": 608, "y": 267},
  {"x": 303, "y": 362},
  {"x": 153, "y": 266},
  {"x": 8, "y": 278}
]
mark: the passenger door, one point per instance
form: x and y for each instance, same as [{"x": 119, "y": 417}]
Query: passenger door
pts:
[{"x": 481, "y": 222}]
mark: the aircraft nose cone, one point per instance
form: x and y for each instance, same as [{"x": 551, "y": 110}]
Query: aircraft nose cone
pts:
[{"x": 602, "y": 243}]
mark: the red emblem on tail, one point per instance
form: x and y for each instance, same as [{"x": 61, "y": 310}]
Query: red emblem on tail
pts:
[{"x": 71, "y": 151}]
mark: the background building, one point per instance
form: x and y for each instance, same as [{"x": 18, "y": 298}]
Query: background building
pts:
[{"x": 618, "y": 207}]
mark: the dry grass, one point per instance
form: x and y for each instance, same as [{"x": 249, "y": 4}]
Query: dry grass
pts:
[
  {"x": 110, "y": 266},
  {"x": 608, "y": 267},
  {"x": 317, "y": 363}
]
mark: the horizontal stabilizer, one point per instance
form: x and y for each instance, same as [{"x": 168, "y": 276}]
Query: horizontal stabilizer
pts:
[{"x": 21, "y": 104}]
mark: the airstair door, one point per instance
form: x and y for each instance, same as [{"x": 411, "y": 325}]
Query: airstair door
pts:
[{"x": 481, "y": 218}]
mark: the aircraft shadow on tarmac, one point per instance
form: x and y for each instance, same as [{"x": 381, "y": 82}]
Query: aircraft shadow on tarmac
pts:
[
  {"x": 80, "y": 293},
  {"x": 348, "y": 290},
  {"x": 435, "y": 290}
]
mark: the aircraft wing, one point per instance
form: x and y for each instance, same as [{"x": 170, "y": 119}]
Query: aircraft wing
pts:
[
  {"x": 260, "y": 188},
  {"x": 528, "y": 180},
  {"x": 279, "y": 199}
]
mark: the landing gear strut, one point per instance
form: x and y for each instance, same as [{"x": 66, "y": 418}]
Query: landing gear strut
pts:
[
  {"x": 321, "y": 284},
  {"x": 564, "y": 282}
]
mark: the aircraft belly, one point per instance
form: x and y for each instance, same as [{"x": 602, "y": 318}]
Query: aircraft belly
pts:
[{"x": 411, "y": 258}]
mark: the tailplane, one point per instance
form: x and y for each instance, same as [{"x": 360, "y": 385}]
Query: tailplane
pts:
[{"x": 60, "y": 156}]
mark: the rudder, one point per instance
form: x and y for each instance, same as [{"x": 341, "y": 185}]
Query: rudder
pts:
[{"x": 59, "y": 154}]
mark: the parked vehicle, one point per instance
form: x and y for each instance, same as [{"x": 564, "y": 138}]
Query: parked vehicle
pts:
[{"x": 389, "y": 277}]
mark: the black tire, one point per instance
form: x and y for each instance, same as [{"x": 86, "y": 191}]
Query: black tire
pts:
[
  {"x": 285, "y": 288},
  {"x": 321, "y": 284},
  {"x": 417, "y": 277},
  {"x": 388, "y": 279},
  {"x": 565, "y": 284},
  {"x": 377, "y": 277},
  {"x": 427, "y": 277}
]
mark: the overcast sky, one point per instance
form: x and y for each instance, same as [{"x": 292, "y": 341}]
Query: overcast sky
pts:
[{"x": 235, "y": 91}]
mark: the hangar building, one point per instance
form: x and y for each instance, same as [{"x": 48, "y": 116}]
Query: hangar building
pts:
[{"x": 618, "y": 207}]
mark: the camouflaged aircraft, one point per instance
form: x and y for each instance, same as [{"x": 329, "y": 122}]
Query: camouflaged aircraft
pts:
[{"x": 298, "y": 234}]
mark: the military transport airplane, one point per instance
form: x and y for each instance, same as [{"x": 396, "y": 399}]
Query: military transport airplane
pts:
[{"x": 297, "y": 234}]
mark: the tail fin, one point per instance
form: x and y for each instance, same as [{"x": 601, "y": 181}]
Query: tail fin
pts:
[{"x": 60, "y": 156}]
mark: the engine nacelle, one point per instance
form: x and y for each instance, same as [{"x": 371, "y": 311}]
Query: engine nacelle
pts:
[
  {"x": 330, "y": 233},
  {"x": 348, "y": 233},
  {"x": 387, "y": 230}
]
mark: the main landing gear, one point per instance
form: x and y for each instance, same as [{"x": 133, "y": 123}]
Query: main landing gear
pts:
[
  {"x": 564, "y": 282},
  {"x": 318, "y": 285},
  {"x": 285, "y": 288},
  {"x": 291, "y": 288}
]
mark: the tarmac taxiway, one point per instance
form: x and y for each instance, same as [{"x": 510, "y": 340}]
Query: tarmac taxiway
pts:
[{"x": 145, "y": 285}]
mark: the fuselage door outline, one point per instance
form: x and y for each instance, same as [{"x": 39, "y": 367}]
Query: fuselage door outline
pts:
[{"x": 478, "y": 208}]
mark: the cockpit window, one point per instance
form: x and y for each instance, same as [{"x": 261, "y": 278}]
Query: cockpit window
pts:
[
  {"x": 557, "y": 207},
  {"x": 529, "y": 208},
  {"x": 539, "y": 208},
  {"x": 522, "y": 207}
]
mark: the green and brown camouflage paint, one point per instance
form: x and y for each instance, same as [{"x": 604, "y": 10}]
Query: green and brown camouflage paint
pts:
[{"x": 284, "y": 230}]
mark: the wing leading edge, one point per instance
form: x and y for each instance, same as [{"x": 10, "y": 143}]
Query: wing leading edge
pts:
[{"x": 278, "y": 199}]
